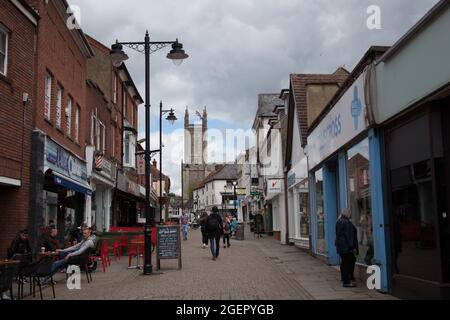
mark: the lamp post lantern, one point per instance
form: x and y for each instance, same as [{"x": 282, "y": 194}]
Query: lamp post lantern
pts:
[{"x": 118, "y": 56}]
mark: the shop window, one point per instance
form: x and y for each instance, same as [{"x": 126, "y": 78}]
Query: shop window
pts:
[
  {"x": 304, "y": 216},
  {"x": 358, "y": 175},
  {"x": 3, "y": 51},
  {"x": 321, "y": 244}
]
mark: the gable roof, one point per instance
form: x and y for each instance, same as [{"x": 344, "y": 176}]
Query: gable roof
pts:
[
  {"x": 266, "y": 106},
  {"x": 299, "y": 83},
  {"x": 224, "y": 172}
]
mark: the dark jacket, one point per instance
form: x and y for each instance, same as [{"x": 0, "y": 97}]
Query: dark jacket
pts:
[
  {"x": 216, "y": 233},
  {"x": 202, "y": 222},
  {"x": 19, "y": 246},
  {"x": 49, "y": 243},
  {"x": 346, "y": 236}
]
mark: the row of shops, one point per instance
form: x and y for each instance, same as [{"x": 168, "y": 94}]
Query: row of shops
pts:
[
  {"x": 70, "y": 191},
  {"x": 380, "y": 147},
  {"x": 382, "y": 150}
]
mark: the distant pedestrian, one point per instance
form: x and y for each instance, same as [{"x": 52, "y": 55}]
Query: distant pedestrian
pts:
[
  {"x": 347, "y": 247},
  {"x": 185, "y": 225},
  {"x": 226, "y": 232},
  {"x": 214, "y": 229},
  {"x": 259, "y": 224},
  {"x": 233, "y": 226},
  {"x": 202, "y": 222}
]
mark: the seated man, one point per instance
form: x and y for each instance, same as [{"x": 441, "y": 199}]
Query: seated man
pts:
[
  {"x": 49, "y": 241},
  {"x": 20, "y": 244},
  {"x": 75, "y": 254}
]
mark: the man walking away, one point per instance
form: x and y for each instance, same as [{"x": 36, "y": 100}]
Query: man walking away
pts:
[
  {"x": 202, "y": 222},
  {"x": 214, "y": 228},
  {"x": 185, "y": 225},
  {"x": 347, "y": 247}
]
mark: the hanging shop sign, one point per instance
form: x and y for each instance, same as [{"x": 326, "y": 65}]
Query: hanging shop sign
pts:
[
  {"x": 345, "y": 121},
  {"x": 274, "y": 186}
]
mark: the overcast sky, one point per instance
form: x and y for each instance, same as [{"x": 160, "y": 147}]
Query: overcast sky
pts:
[{"x": 238, "y": 49}]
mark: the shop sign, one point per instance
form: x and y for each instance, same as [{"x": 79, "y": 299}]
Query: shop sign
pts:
[
  {"x": 343, "y": 123},
  {"x": 291, "y": 180},
  {"x": 141, "y": 164},
  {"x": 241, "y": 191},
  {"x": 126, "y": 185},
  {"x": 274, "y": 186},
  {"x": 61, "y": 161}
]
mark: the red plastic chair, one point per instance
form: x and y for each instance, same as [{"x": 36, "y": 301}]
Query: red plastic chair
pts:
[
  {"x": 123, "y": 244},
  {"x": 132, "y": 252}
]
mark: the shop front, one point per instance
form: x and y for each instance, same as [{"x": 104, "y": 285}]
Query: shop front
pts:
[
  {"x": 127, "y": 201},
  {"x": 102, "y": 173},
  {"x": 65, "y": 189},
  {"x": 344, "y": 161},
  {"x": 298, "y": 200}
]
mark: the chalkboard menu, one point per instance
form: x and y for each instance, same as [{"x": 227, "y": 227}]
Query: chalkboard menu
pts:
[{"x": 168, "y": 244}]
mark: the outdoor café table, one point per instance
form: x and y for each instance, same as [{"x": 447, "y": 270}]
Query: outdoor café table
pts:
[
  {"x": 9, "y": 262},
  {"x": 138, "y": 244}
]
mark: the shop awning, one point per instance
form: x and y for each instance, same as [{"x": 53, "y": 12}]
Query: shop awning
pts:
[{"x": 71, "y": 184}]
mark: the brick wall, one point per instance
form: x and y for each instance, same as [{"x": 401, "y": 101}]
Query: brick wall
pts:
[
  {"x": 15, "y": 122},
  {"x": 60, "y": 56}
]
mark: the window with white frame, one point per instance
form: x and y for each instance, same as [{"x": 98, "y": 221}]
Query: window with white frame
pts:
[
  {"x": 115, "y": 91},
  {"x": 69, "y": 116},
  {"x": 59, "y": 95},
  {"x": 129, "y": 150},
  {"x": 48, "y": 96},
  {"x": 100, "y": 137},
  {"x": 77, "y": 119},
  {"x": 124, "y": 101},
  {"x": 3, "y": 51}
]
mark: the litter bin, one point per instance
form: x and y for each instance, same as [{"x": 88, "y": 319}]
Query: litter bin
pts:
[{"x": 240, "y": 232}]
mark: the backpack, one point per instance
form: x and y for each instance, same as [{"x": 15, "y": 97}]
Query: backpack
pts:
[{"x": 213, "y": 223}]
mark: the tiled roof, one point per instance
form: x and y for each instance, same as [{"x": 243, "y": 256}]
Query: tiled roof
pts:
[
  {"x": 223, "y": 172},
  {"x": 299, "y": 83}
]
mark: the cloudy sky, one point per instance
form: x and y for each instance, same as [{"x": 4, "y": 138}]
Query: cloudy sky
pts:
[{"x": 238, "y": 49}]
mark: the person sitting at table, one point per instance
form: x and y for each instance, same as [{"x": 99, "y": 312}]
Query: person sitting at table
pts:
[
  {"x": 20, "y": 244},
  {"x": 75, "y": 254},
  {"x": 48, "y": 239}
]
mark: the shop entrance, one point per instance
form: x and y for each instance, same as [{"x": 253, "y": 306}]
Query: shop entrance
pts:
[{"x": 418, "y": 164}]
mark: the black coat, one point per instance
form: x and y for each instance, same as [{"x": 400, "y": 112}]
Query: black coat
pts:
[
  {"x": 218, "y": 231},
  {"x": 346, "y": 236},
  {"x": 19, "y": 246}
]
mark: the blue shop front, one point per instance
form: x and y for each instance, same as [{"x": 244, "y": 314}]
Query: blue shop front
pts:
[{"x": 345, "y": 164}]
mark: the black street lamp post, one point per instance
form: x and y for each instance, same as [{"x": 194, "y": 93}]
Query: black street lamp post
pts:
[
  {"x": 235, "y": 183},
  {"x": 171, "y": 118},
  {"x": 118, "y": 56}
]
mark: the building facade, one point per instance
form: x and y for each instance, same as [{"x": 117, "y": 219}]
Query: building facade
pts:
[{"x": 18, "y": 29}]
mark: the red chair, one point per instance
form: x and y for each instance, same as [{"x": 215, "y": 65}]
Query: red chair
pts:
[
  {"x": 123, "y": 244},
  {"x": 132, "y": 252},
  {"x": 116, "y": 249}
]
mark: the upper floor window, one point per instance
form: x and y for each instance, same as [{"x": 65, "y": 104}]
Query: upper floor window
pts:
[
  {"x": 48, "y": 96},
  {"x": 124, "y": 102},
  {"x": 115, "y": 91},
  {"x": 113, "y": 141},
  {"x": 59, "y": 95},
  {"x": 3, "y": 51},
  {"x": 129, "y": 150},
  {"x": 69, "y": 117},
  {"x": 77, "y": 119}
]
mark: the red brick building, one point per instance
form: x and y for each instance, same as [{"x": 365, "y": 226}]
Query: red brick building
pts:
[
  {"x": 59, "y": 186},
  {"x": 18, "y": 27},
  {"x": 116, "y": 203}
]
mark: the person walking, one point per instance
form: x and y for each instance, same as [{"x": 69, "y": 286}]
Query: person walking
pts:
[
  {"x": 202, "y": 222},
  {"x": 233, "y": 226},
  {"x": 226, "y": 233},
  {"x": 347, "y": 247},
  {"x": 214, "y": 229},
  {"x": 185, "y": 225}
]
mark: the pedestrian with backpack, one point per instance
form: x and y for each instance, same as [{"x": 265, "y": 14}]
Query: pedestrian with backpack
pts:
[{"x": 214, "y": 229}]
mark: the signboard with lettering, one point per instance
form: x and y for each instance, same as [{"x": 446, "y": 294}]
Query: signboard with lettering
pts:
[
  {"x": 168, "y": 244},
  {"x": 61, "y": 161},
  {"x": 345, "y": 121},
  {"x": 274, "y": 186}
]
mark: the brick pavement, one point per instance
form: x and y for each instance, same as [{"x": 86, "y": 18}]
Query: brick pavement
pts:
[{"x": 255, "y": 269}]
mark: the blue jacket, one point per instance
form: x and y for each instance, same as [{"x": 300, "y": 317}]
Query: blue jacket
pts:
[{"x": 346, "y": 236}]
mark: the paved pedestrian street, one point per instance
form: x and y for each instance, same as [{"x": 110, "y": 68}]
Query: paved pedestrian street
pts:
[{"x": 255, "y": 269}]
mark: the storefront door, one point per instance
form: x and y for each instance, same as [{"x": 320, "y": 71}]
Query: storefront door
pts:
[{"x": 417, "y": 154}]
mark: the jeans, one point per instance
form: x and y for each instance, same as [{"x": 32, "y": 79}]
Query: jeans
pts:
[
  {"x": 215, "y": 246},
  {"x": 61, "y": 263},
  {"x": 185, "y": 229}
]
